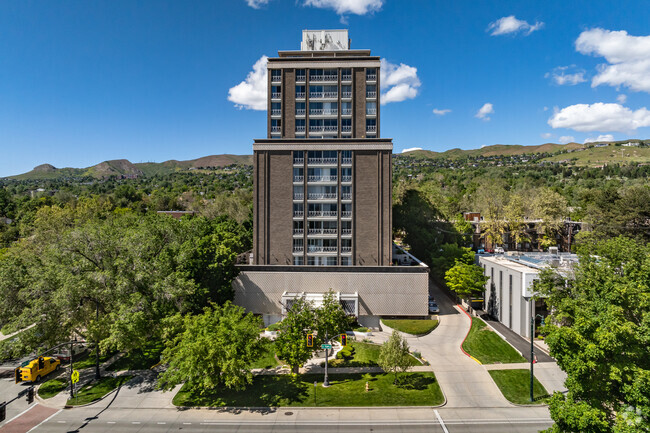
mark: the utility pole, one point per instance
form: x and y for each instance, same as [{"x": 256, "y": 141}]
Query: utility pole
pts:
[{"x": 325, "y": 381}]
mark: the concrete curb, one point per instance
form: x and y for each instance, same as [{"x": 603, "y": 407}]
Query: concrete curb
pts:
[
  {"x": 468, "y": 331},
  {"x": 67, "y": 406},
  {"x": 291, "y": 408}
]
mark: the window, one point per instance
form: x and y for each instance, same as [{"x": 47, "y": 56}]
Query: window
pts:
[
  {"x": 346, "y": 174},
  {"x": 300, "y": 108},
  {"x": 346, "y": 108},
  {"x": 276, "y": 108},
  {"x": 298, "y": 245},
  {"x": 276, "y": 75},
  {"x": 298, "y": 210},
  {"x": 298, "y": 260},
  {"x": 330, "y": 74},
  {"x": 276, "y": 125},
  {"x": 346, "y": 91},
  {"x": 276, "y": 92},
  {"x": 371, "y": 108},
  {"x": 298, "y": 227},
  {"x": 346, "y": 245},
  {"x": 300, "y": 92},
  {"x": 346, "y": 192},
  {"x": 346, "y": 155},
  {"x": 346, "y": 74},
  {"x": 300, "y": 125},
  {"x": 371, "y": 74},
  {"x": 298, "y": 156},
  {"x": 371, "y": 126},
  {"x": 315, "y": 74},
  {"x": 298, "y": 192},
  {"x": 371, "y": 91},
  {"x": 300, "y": 75}
]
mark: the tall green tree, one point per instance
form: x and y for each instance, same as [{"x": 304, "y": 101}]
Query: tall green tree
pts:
[
  {"x": 599, "y": 332},
  {"x": 466, "y": 279},
  {"x": 291, "y": 342},
  {"x": 214, "y": 349},
  {"x": 394, "y": 355},
  {"x": 331, "y": 320}
]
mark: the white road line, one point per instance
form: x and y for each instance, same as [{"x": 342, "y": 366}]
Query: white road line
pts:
[
  {"x": 135, "y": 422},
  {"x": 442, "y": 424},
  {"x": 29, "y": 408},
  {"x": 45, "y": 420},
  {"x": 161, "y": 422},
  {"x": 61, "y": 422},
  {"x": 110, "y": 422},
  {"x": 187, "y": 423}
]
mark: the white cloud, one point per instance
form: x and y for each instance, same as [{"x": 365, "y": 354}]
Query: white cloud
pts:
[
  {"x": 566, "y": 139},
  {"x": 560, "y": 76},
  {"x": 411, "y": 149},
  {"x": 628, "y": 58},
  {"x": 251, "y": 93},
  {"x": 600, "y": 117},
  {"x": 357, "y": 7},
  {"x": 602, "y": 137},
  {"x": 399, "y": 82},
  {"x": 256, "y": 4},
  {"x": 545, "y": 109},
  {"x": 485, "y": 111},
  {"x": 442, "y": 112},
  {"x": 510, "y": 24},
  {"x": 546, "y": 135},
  {"x": 621, "y": 98}
]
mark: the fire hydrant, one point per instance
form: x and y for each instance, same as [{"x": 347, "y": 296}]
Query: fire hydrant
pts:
[{"x": 367, "y": 387}]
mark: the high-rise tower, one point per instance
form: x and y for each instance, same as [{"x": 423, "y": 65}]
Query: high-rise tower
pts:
[{"x": 323, "y": 176}]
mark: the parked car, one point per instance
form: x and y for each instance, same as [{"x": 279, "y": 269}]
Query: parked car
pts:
[
  {"x": 480, "y": 251},
  {"x": 64, "y": 353},
  {"x": 35, "y": 370},
  {"x": 499, "y": 250},
  {"x": 433, "y": 307}
]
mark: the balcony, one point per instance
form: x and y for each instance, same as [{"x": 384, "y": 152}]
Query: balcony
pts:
[
  {"x": 276, "y": 95},
  {"x": 346, "y": 161},
  {"x": 276, "y": 78},
  {"x": 371, "y": 77},
  {"x": 299, "y": 196},
  {"x": 346, "y": 78},
  {"x": 346, "y": 94},
  {"x": 322, "y": 178},
  {"x": 315, "y": 128},
  {"x": 315, "y": 77},
  {"x": 330, "y": 128},
  {"x": 300, "y": 129},
  {"x": 371, "y": 95},
  {"x": 322, "y": 232},
  {"x": 346, "y": 250},
  {"x": 320, "y": 249},
  {"x": 298, "y": 178},
  {"x": 315, "y": 95},
  {"x": 300, "y": 78},
  {"x": 298, "y": 232},
  {"x": 298, "y": 249},
  {"x": 300, "y": 95},
  {"x": 346, "y": 232},
  {"x": 346, "y": 128},
  {"x": 298, "y": 214},
  {"x": 327, "y": 161},
  {"x": 346, "y": 196},
  {"x": 322, "y": 213},
  {"x": 346, "y": 111},
  {"x": 276, "y": 112},
  {"x": 371, "y": 111},
  {"x": 330, "y": 95},
  {"x": 346, "y": 214},
  {"x": 300, "y": 111},
  {"x": 298, "y": 161},
  {"x": 276, "y": 129},
  {"x": 321, "y": 196},
  {"x": 371, "y": 128},
  {"x": 346, "y": 178}
]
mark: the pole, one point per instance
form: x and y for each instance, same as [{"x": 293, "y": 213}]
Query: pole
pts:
[
  {"x": 532, "y": 352},
  {"x": 71, "y": 384},
  {"x": 325, "y": 381},
  {"x": 97, "y": 375}
]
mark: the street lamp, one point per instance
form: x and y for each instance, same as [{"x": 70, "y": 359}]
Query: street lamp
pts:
[{"x": 532, "y": 346}]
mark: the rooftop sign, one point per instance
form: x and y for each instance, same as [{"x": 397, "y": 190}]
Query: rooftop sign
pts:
[{"x": 324, "y": 40}]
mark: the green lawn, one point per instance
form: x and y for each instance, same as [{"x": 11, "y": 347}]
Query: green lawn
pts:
[
  {"x": 52, "y": 387},
  {"x": 414, "y": 327},
  {"x": 139, "y": 359},
  {"x": 96, "y": 390},
  {"x": 267, "y": 360},
  {"x": 362, "y": 355},
  {"x": 515, "y": 386},
  {"x": 417, "y": 389},
  {"x": 488, "y": 347},
  {"x": 87, "y": 359}
]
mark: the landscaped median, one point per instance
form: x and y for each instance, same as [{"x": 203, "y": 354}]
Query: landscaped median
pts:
[
  {"x": 360, "y": 354},
  {"x": 413, "y": 389},
  {"x": 51, "y": 388},
  {"x": 96, "y": 390},
  {"x": 487, "y": 347},
  {"x": 515, "y": 386},
  {"x": 411, "y": 326}
]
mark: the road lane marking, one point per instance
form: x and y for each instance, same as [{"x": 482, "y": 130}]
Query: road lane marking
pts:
[
  {"x": 45, "y": 420},
  {"x": 161, "y": 422},
  {"x": 21, "y": 413},
  {"x": 110, "y": 422},
  {"x": 442, "y": 424}
]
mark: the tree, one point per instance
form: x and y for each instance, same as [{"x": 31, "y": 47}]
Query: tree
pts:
[
  {"x": 331, "y": 320},
  {"x": 466, "y": 279},
  {"x": 447, "y": 256},
  {"x": 213, "y": 349},
  {"x": 599, "y": 332},
  {"x": 394, "y": 355},
  {"x": 551, "y": 208},
  {"x": 291, "y": 343},
  {"x": 515, "y": 212}
]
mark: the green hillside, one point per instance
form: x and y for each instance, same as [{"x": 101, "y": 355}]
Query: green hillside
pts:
[{"x": 604, "y": 155}]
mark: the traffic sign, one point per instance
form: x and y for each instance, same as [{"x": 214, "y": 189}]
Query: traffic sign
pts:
[
  {"x": 74, "y": 377},
  {"x": 325, "y": 346}
]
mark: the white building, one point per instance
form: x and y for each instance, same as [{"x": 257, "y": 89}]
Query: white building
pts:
[{"x": 509, "y": 289}]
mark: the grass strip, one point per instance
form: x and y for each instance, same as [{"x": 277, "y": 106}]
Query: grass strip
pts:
[
  {"x": 87, "y": 359},
  {"x": 96, "y": 390},
  {"x": 486, "y": 346},
  {"x": 412, "y": 326},
  {"x": 51, "y": 388},
  {"x": 139, "y": 359},
  {"x": 362, "y": 355},
  {"x": 515, "y": 386},
  {"x": 415, "y": 389},
  {"x": 267, "y": 360}
]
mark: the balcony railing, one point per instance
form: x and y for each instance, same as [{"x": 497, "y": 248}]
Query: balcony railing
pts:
[
  {"x": 322, "y": 213},
  {"x": 298, "y": 232},
  {"x": 346, "y": 77},
  {"x": 298, "y": 161},
  {"x": 371, "y": 94},
  {"x": 276, "y": 95},
  {"x": 300, "y": 95},
  {"x": 276, "y": 112},
  {"x": 276, "y": 78},
  {"x": 346, "y": 111},
  {"x": 371, "y": 128},
  {"x": 316, "y": 178},
  {"x": 323, "y": 111},
  {"x": 322, "y": 231},
  {"x": 346, "y": 214},
  {"x": 371, "y": 77},
  {"x": 330, "y": 94},
  {"x": 314, "y": 77},
  {"x": 346, "y": 196},
  {"x": 346, "y": 161},
  {"x": 330, "y": 128},
  {"x": 315, "y": 95},
  {"x": 346, "y": 250},
  {"x": 346, "y": 232},
  {"x": 298, "y": 196},
  {"x": 275, "y": 129},
  {"x": 313, "y": 128},
  {"x": 322, "y": 161},
  {"x": 346, "y": 94},
  {"x": 298, "y": 178},
  {"x": 301, "y": 78},
  {"x": 321, "y": 195},
  {"x": 298, "y": 249},
  {"x": 300, "y": 111},
  {"x": 300, "y": 128},
  {"x": 320, "y": 249},
  {"x": 371, "y": 111},
  {"x": 346, "y": 128},
  {"x": 298, "y": 214},
  {"x": 346, "y": 178}
]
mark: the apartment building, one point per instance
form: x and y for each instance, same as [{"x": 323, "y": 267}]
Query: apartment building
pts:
[{"x": 322, "y": 189}]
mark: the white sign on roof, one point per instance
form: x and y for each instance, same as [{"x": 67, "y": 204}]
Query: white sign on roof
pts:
[{"x": 324, "y": 40}]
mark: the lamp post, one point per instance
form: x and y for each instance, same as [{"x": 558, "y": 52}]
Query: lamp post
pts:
[
  {"x": 97, "y": 374},
  {"x": 532, "y": 345}
]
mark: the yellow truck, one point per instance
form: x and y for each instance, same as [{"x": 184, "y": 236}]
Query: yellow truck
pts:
[{"x": 35, "y": 370}]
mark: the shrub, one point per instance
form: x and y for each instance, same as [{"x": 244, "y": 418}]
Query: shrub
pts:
[
  {"x": 274, "y": 327},
  {"x": 346, "y": 353},
  {"x": 361, "y": 329}
]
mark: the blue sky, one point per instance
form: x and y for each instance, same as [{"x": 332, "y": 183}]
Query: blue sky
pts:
[{"x": 86, "y": 81}]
